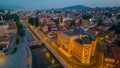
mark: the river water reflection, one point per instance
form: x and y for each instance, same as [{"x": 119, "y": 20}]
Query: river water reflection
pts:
[{"x": 42, "y": 58}]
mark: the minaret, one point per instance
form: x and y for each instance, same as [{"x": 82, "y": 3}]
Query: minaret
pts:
[{"x": 1, "y": 18}]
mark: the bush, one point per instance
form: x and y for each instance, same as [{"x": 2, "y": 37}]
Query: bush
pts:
[
  {"x": 72, "y": 23},
  {"x": 116, "y": 28},
  {"x": 15, "y": 49},
  {"x": 20, "y": 28},
  {"x": 17, "y": 41}
]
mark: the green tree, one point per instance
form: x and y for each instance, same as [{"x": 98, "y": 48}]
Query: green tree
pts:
[
  {"x": 56, "y": 21},
  {"x": 17, "y": 41},
  {"x": 116, "y": 28},
  {"x": 15, "y": 17},
  {"x": 7, "y": 17},
  {"x": 86, "y": 17},
  {"x": 31, "y": 20},
  {"x": 1, "y": 48},
  {"x": 100, "y": 22},
  {"x": 36, "y": 22},
  {"x": 19, "y": 25},
  {"x": 80, "y": 21},
  {"x": 118, "y": 17},
  {"x": 21, "y": 32},
  {"x": 72, "y": 23}
]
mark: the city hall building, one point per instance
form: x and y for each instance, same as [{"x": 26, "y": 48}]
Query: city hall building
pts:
[{"x": 78, "y": 43}]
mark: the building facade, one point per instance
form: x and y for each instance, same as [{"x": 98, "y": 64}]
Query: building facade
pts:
[
  {"x": 78, "y": 43},
  {"x": 4, "y": 29},
  {"x": 12, "y": 28}
]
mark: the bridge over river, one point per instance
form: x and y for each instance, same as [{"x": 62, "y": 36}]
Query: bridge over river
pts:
[{"x": 41, "y": 56}]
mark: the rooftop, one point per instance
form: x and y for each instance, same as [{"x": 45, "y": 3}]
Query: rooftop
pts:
[
  {"x": 4, "y": 38},
  {"x": 12, "y": 26},
  {"x": 85, "y": 40},
  {"x": 74, "y": 32},
  {"x": 84, "y": 37},
  {"x": 110, "y": 55}
]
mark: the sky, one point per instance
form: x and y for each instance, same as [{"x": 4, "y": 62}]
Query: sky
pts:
[{"x": 48, "y": 4}]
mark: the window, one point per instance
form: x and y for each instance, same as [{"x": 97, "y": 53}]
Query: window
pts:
[
  {"x": 86, "y": 55},
  {"x": 86, "y": 51}
]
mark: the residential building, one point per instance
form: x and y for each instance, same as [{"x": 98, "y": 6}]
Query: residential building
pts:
[
  {"x": 12, "y": 28},
  {"x": 3, "y": 29},
  {"x": 4, "y": 43}
]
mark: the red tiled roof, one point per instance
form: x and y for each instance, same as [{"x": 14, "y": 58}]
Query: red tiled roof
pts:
[
  {"x": 12, "y": 26},
  {"x": 4, "y": 38},
  {"x": 117, "y": 56}
]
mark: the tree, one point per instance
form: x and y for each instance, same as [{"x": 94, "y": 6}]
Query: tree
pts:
[
  {"x": 72, "y": 23},
  {"x": 86, "y": 17},
  {"x": 116, "y": 28},
  {"x": 1, "y": 48},
  {"x": 19, "y": 25},
  {"x": 17, "y": 41},
  {"x": 118, "y": 17},
  {"x": 15, "y": 17},
  {"x": 8, "y": 17},
  {"x": 56, "y": 21},
  {"x": 80, "y": 21},
  {"x": 100, "y": 22},
  {"x": 31, "y": 20},
  {"x": 21, "y": 32},
  {"x": 36, "y": 22}
]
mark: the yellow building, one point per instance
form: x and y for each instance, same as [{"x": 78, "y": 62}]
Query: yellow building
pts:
[{"x": 78, "y": 43}]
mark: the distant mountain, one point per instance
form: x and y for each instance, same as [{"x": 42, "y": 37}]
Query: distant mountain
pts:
[
  {"x": 11, "y": 7},
  {"x": 76, "y": 7}
]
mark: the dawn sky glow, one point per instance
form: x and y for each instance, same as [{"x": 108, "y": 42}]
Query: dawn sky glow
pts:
[{"x": 45, "y": 4}]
